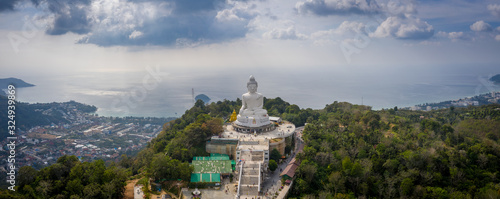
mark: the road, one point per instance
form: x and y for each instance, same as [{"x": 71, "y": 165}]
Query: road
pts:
[{"x": 272, "y": 183}]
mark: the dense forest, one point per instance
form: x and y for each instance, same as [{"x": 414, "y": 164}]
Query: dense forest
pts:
[
  {"x": 69, "y": 178},
  {"x": 351, "y": 152}
]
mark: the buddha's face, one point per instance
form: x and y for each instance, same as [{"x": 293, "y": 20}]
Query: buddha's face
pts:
[{"x": 252, "y": 88}]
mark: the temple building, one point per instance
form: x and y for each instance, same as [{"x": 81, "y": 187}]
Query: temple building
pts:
[{"x": 249, "y": 138}]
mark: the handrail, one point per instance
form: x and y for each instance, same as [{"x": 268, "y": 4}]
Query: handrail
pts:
[{"x": 239, "y": 179}]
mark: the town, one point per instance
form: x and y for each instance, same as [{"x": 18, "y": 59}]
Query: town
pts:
[
  {"x": 85, "y": 135},
  {"x": 483, "y": 99}
]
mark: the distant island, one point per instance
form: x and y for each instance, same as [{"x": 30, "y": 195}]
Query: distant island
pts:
[
  {"x": 495, "y": 79},
  {"x": 18, "y": 83}
]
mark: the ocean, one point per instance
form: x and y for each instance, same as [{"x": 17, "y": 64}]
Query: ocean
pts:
[{"x": 168, "y": 93}]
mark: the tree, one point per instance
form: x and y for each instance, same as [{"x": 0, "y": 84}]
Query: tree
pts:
[
  {"x": 26, "y": 175},
  {"x": 164, "y": 167},
  {"x": 44, "y": 187},
  {"x": 308, "y": 171},
  {"x": 108, "y": 190},
  {"x": 337, "y": 181},
  {"x": 273, "y": 165},
  {"x": 406, "y": 186},
  {"x": 302, "y": 186},
  {"x": 126, "y": 162},
  {"x": 92, "y": 191},
  {"x": 199, "y": 103},
  {"x": 74, "y": 187},
  {"x": 275, "y": 155}
]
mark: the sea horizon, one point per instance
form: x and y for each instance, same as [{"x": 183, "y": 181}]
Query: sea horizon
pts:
[{"x": 138, "y": 93}]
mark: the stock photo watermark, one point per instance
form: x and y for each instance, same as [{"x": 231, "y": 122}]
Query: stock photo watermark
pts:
[
  {"x": 485, "y": 85},
  {"x": 363, "y": 38},
  {"x": 30, "y": 29},
  {"x": 139, "y": 93},
  {"x": 11, "y": 145}
]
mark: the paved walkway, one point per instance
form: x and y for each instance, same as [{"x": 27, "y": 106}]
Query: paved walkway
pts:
[{"x": 272, "y": 183}]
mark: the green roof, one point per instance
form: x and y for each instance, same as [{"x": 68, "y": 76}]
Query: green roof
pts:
[
  {"x": 213, "y": 156},
  {"x": 212, "y": 166},
  {"x": 205, "y": 177}
]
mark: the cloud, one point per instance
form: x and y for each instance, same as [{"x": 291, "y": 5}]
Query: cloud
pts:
[
  {"x": 454, "y": 36},
  {"x": 195, "y": 6},
  {"x": 345, "y": 28},
  {"x": 343, "y": 33},
  {"x": 494, "y": 9},
  {"x": 404, "y": 27},
  {"x": 400, "y": 7},
  {"x": 350, "y": 27},
  {"x": 147, "y": 22},
  {"x": 338, "y": 7},
  {"x": 170, "y": 23},
  {"x": 497, "y": 38},
  {"x": 480, "y": 26},
  {"x": 135, "y": 34},
  {"x": 66, "y": 16},
  {"x": 284, "y": 34},
  {"x": 8, "y": 4}
]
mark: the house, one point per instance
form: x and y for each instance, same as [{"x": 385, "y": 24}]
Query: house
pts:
[{"x": 290, "y": 169}]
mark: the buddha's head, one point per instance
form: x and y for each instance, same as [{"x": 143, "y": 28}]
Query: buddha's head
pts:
[{"x": 252, "y": 85}]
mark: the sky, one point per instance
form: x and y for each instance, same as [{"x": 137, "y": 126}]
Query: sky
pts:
[{"x": 56, "y": 37}]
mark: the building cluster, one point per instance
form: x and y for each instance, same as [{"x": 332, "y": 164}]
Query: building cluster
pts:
[
  {"x": 494, "y": 97},
  {"x": 86, "y": 136},
  {"x": 488, "y": 98},
  {"x": 242, "y": 153}
]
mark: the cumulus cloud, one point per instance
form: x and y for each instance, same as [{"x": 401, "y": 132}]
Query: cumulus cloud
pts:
[
  {"x": 338, "y": 7},
  {"x": 404, "y": 27},
  {"x": 146, "y": 22},
  {"x": 238, "y": 12},
  {"x": 480, "y": 26},
  {"x": 135, "y": 34},
  {"x": 66, "y": 16},
  {"x": 284, "y": 34},
  {"x": 400, "y": 7},
  {"x": 494, "y": 9},
  {"x": 170, "y": 23},
  {"x": 343, "y": 33},
  {"x": 345, "y": 28},
  {"x": 350, "y": 27},
  {"x": 454, "y": 36}
]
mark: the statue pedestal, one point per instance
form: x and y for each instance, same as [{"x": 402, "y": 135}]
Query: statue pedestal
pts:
[
  {"x": 260, "y": 129},
  {"x": 253, "y": 124}
]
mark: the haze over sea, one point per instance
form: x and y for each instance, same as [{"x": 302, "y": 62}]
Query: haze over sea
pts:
[{"x": 310, "y": 87}]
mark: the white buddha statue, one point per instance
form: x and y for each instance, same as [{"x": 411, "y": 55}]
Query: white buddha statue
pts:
[{"x": 251, "y": 113}]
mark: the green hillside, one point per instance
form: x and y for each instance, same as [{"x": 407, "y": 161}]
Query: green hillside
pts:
[{"x": 351, "y": 151}]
